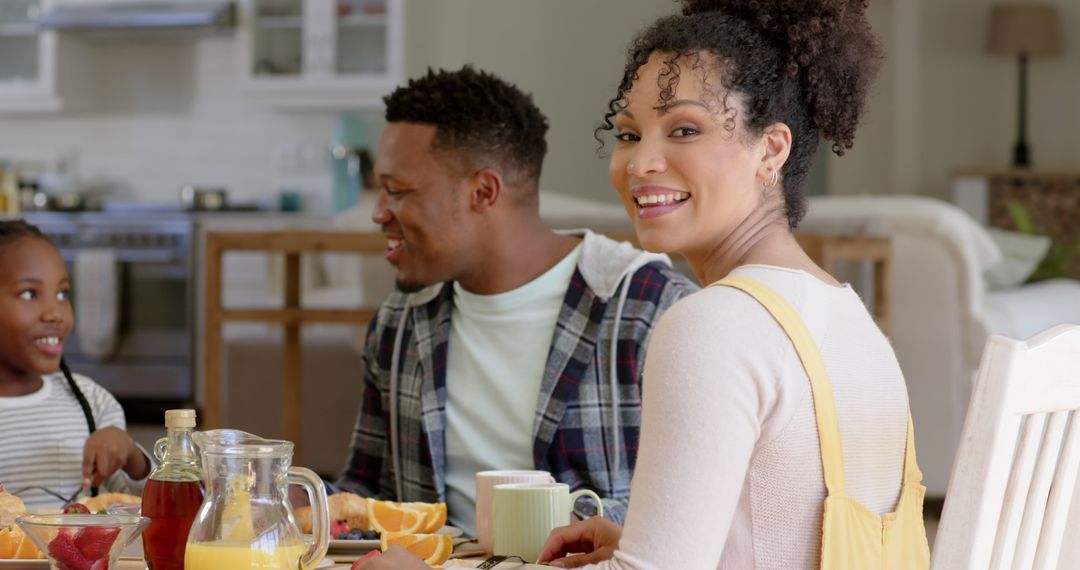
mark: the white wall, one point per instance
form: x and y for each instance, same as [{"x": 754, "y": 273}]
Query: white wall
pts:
[
  {"x": 868, "y": 166},
  {"x": 969, "y": 96},
  {"x": 568, "y": 53},
  {"x": 945, "y": 105}
]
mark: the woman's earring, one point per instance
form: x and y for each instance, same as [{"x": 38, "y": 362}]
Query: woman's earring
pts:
[{"x": 773, "y": 182}]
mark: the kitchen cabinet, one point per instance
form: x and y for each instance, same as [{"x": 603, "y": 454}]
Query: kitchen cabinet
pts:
[
  {"x": 330, "y": 54},
  {"x": 28, "y": 78}
]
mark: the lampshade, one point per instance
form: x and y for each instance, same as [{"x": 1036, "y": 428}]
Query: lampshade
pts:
[{"x": 1031, "y": 29}]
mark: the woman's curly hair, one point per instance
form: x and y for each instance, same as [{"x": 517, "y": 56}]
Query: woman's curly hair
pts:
[
  {"x": 805, "y": 63},
  {"x": 477, "y": 115}
]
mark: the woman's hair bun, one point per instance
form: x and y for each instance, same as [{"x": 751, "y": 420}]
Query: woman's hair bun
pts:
[{"x": 827, "y": 43}]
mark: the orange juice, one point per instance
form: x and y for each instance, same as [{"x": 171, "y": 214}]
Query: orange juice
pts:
[{"x": 222, "y": 555}]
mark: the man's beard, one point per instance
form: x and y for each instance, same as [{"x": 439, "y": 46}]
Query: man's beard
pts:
[{"x": 406, "y": 286}]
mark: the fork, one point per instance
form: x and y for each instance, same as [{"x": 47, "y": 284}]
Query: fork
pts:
[
  {"x": 71, "y": 499},
  {"x": 496, "y": 560}
]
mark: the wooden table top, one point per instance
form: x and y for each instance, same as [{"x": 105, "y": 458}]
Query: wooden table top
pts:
[{"x": 132, "y": 564}]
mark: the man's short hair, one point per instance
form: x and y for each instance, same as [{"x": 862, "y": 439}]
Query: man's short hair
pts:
[{"x": 484, "y": 120}]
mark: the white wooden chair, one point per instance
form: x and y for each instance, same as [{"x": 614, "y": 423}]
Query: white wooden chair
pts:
[{"x": 1015, "y": 474}]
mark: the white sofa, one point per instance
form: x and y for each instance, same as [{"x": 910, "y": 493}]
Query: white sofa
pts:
[{"x": 941, "y": 310}]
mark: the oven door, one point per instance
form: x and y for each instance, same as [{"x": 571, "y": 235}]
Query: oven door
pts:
[{"x": 151, "y": 365}]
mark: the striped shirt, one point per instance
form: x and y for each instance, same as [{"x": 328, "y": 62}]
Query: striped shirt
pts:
[{"x": 42, "y": 437}]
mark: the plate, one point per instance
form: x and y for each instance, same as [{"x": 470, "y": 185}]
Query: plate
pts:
[
  {"x": 12, "y": 564},
  {"x": 362, "y": 546}
]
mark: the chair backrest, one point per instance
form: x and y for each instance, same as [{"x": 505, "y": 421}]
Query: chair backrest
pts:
[{"x": 1015, "y": 472}]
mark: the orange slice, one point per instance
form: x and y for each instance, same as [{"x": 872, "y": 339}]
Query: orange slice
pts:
[
  {"x": 26, "y": 549},
  {"x": 433, "y": 548},
  {"x": 436, "y": 515},
  {"x": 7, "y": 549},
  {"x": 388, "y": 516}
]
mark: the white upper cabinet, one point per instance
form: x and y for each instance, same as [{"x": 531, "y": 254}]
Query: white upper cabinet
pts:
[
  {"x": 27, "y": 59},
  {"x": 330, "y": 54}
]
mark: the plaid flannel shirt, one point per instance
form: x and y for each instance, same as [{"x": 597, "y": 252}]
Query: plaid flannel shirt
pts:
[{"x": 573, "y": 429}]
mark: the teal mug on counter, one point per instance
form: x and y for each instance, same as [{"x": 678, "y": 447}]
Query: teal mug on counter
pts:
[{"x": 526, "y": 513}]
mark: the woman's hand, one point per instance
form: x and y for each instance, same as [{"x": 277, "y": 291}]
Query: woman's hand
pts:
[
  {"x": 108, "y": 450},
  {"x": 395, "y": 558},
  {"x": 597, "y": 538}
]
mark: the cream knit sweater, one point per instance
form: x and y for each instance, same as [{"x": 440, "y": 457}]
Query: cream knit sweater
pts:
[{"x": 729, "y": 470}]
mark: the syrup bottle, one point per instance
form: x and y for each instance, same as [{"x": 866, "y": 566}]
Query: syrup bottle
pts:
[{"x": 173, "y": 493}]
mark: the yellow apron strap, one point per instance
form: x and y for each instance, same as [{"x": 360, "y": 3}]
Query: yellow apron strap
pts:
[{"x": 832, "y": 451}]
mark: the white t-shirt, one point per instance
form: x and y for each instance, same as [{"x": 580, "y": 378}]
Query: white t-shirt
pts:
[
  {"x": 42, "y": 437},
  {"x": 729, "y": 469},
  {"x": 498, "y": 347}
]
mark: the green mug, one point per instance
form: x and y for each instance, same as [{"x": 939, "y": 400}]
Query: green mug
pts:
[{"x": 526, "y": 513}]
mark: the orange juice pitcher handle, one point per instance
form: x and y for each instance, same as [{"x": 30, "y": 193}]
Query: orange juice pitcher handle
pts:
[{"x": 320, "y": 515}]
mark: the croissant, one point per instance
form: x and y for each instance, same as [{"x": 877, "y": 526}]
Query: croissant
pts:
[
  {"x": 10, "y": 507},
  {"x": 106, "y": 500},
  {"x": 348, "y": 507}
]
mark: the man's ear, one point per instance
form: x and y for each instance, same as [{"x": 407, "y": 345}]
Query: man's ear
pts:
[{"x": 486, "y": 189}]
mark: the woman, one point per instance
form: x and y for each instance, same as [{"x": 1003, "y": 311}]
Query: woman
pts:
[{"x": 716, "y": 122}]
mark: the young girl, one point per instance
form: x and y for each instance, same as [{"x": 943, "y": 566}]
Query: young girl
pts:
[{"x": 59, "y": 432}]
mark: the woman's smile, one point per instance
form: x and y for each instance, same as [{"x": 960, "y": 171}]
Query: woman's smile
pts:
[{"x": 656, "y": 201}]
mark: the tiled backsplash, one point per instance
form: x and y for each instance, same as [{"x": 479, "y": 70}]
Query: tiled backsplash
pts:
[{"x": 164, "y": 114}]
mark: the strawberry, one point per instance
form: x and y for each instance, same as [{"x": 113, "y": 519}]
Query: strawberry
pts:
[
  {"x": 63, "y": 550},
  {"x": 95, "y": 541},
  {"x": 76, "y": 509},
  {"x": 102, "y": 564},
  {"x": 337, "y": 527},
  {"x": 356, "y": 565}
]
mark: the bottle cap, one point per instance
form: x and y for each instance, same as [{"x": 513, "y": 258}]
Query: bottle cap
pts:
[{"x": 180, "y": 418}]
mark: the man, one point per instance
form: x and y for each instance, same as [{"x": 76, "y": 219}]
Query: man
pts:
[{"x": 506, "y": 345}]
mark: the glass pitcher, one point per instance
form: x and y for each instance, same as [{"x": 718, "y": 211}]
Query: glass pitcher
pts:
[{"x": 245, "y": 520}]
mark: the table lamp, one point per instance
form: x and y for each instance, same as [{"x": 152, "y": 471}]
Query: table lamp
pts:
[{"x": 1023, "y": 30}]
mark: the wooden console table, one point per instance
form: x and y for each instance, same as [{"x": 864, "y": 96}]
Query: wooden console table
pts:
[
  {"x": 291, "y": 316},
  {"x": 1052, "y": 199}
]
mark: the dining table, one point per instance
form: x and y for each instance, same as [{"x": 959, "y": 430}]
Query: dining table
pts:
[
  {"x": 128, "y": 563},
  {"x": 465, "y": 549},
  {"x": 342, "y": 562}
]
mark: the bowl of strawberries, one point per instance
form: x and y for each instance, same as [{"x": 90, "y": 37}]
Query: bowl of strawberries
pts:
[{"x": 82, "y": 541}]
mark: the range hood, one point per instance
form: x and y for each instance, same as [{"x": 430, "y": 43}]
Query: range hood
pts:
[{"x": 118, "y": 16}]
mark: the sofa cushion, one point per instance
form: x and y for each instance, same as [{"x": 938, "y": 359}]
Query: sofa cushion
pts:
[
  {"x": 1024, "y": 311},
  {"x": 1021, "y": 255}
]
